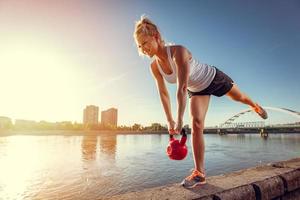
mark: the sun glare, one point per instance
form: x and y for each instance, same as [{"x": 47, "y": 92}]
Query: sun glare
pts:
[
  {"x": 37, "y": 76},
  {"x": 18, "y": 165}
]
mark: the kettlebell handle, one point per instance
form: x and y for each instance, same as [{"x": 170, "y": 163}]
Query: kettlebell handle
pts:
[{"x": 183, "y": 133}]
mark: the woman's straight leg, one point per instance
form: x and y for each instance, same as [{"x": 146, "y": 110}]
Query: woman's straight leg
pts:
[{"x": 198, "y": 109}]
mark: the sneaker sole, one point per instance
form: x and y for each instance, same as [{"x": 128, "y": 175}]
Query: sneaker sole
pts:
[
  {"x": 264, "y": 113},
  {"x": 196, "y": 184}
]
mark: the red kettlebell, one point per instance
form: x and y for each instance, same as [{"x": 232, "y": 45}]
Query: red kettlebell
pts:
[{"x": 177, "y": 150}]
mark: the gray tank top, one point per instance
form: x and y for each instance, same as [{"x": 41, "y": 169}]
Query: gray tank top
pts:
[{"x": 200, "y": 76}]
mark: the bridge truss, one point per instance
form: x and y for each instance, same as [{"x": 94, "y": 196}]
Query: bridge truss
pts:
[{"x": 260, "y": 124}]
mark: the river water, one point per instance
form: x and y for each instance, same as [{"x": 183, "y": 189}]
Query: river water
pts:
[{"x": 96, "y": 166}]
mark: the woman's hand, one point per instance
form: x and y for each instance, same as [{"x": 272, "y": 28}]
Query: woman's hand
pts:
[
  {"x": 171, "y": 127},
  {"x": 179, "y": 125}
]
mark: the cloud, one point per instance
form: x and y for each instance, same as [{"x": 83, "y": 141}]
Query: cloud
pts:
[{"x": 111, "y": 80}]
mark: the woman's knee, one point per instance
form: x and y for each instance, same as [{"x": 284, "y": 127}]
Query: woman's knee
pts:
[
  {"x": 237, "y": 97},
  {"x": 235, "y": 94},
  {"x": 197, "y": 123}
]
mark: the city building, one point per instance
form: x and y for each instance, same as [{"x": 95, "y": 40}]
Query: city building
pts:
[
  {"x": 5, "y": 123},
  {"x": 109, "y": 117},
  {"x": 90, "y": 115},
  {"x": 25, "y": 124}
]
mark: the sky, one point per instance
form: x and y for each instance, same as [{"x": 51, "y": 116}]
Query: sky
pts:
[{"x": 57, "y": 56}]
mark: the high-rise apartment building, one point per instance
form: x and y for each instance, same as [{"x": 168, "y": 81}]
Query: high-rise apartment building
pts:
[
  {"x": 90, "y": 115},
  {"x": 109, "y": 117}
]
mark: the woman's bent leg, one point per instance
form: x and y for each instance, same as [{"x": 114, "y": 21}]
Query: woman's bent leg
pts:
[{"x": 239, "y": 96}]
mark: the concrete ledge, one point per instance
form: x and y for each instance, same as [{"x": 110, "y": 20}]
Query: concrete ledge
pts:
[
  {"x": 243, "y": 192},
  {"x": 292, "y": 163},
  {"x": 271, "y": 181},
  {"x": 269, "y": 188},
  {"x": 295, "y": 195},
  {"x": 291, "y": 180}
]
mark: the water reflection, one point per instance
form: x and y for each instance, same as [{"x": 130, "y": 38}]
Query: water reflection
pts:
[
  {"x": 3, "y": 144},
  {"x": 88, "y": 147},
  {"x": 155, "y": 139},
  {"x": 264, "y": 137},
  {"x": 19, "y": 161},
  {"x": 241, "y": 137},
  {"x": 96, "y": 166},
  {"x": 108, "y": 145}
]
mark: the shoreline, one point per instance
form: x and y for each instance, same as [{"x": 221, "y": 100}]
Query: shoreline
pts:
[
  {"x": 76, "y": 132},
  {"x": 276, "y": 180},
  {"x": 103, "y": 132}
]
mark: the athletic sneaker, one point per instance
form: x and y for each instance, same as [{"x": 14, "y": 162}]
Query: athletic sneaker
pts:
[
  {"x": 261, "y": 112},
  {"x": 196, "y": 178}
]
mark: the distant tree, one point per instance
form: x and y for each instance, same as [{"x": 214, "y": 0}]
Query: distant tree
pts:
[
  {"x": 157, "y": 127},
  {"x": 44, "y": 125},
  {"x": 5, "y": 123},
  {"x": 137, "y": 127},
  {"x": 77, "y": 126},
  {"x": 124, "y": 128}
]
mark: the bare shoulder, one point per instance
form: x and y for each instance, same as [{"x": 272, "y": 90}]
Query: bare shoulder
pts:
[{"x": 180, "y": 51}]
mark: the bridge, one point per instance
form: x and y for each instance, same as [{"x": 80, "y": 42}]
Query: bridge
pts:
[{"x": 231, "y": 126}]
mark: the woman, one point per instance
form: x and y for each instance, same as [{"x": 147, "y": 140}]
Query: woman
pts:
[{"x": 175, "y": 64}]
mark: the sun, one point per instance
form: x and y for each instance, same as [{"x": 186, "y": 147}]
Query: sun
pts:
[{"x": 37, "y": 76}]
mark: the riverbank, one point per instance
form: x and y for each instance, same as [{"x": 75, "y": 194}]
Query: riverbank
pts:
[
  {"x": 278, "y": 180},
  {"x": 75, "y": 132},
  {"x": 103, "y": 132}
]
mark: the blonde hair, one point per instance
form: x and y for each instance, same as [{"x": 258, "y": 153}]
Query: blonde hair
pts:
[{"x": 145, "y": 27}]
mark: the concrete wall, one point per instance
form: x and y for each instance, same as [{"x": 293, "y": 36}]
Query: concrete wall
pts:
[{"x": 278, "y": 181}]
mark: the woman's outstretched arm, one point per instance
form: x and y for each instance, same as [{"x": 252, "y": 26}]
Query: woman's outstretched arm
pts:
[
  {"x": 181, "y": 57},
  {"x": 163, "y": 93}
]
